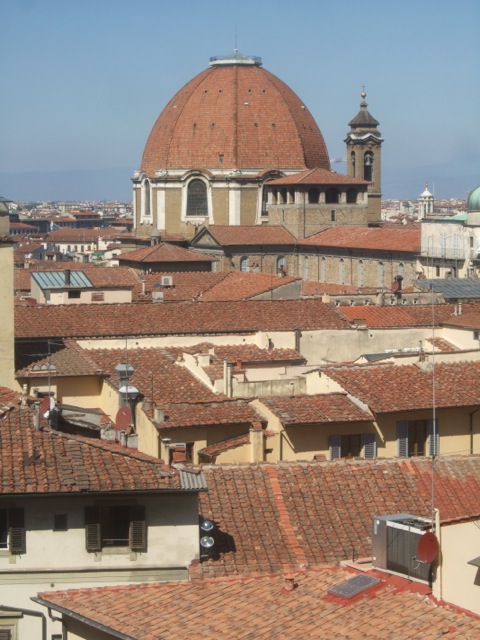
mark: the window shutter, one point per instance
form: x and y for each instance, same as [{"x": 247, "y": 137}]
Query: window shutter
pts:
[
  {"x": 138, "y": 529},
  {"x": 16, "y": 532},
  {"x": 334, "y": 445},
  {"x": 433, "y": 438},
  {"x": 5, "y": 634},
  {"x": 369, "y": 445},
  {"x": 402, "y": 438},
  {"x": 93, "y": 529}
]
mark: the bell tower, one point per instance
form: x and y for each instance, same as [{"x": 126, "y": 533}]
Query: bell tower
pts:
[{"x": 364, "y": 156}]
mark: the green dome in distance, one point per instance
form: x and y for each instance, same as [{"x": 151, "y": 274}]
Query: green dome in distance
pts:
[{"x": 473, "y": 202}]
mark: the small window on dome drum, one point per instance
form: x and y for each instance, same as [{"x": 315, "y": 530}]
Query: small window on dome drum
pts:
[{"x": 197, "y": 199}]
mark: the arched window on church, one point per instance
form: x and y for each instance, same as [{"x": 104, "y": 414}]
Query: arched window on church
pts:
[
  {"x": 353, "y": 160},
  {"x": 351, "y": 196},
  {"x": 197, "y": 204},
  {"x": 245, "y": 264},
  {"x": 305, "y": 268},
  {"x": 361, "y": 274},
  {"x": 341, "y": 271},
  {"x": 281, "y": 265},
  {"x": 368, "y": 166},
  {"x": 380, "y": 274},
  {"x": 146, "y": 199},
  {"x": 323, "y": 269},
  {"x": 332, "y": 196},
  {"x": 313, "y": 195}
]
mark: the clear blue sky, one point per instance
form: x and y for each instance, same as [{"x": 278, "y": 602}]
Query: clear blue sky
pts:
[{"x": 84, "y": 80}]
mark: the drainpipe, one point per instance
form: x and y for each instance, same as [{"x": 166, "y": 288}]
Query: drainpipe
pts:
[
  {"x": 470, "y": 415},
  {"x": 29, "y": 612}
]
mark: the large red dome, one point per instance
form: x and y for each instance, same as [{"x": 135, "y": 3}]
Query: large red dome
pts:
[{"x": 237, "y": 115}]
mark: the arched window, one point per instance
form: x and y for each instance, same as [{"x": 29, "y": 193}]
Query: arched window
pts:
[
  {"x": 368, "y": 166},
  {"x": 197, "y": 204},
  {"x": 352, "y": 157},
  {"x": 281, "y": 264},
  {"x": 146, "y": 210},
  {"x": 341, "y": 271},
  {"x": 282, "y": 196},
  {"x": 313, "y": 195},
  {"x": 380, "y": 274},
  {"x": 361, "y": 273},
  {"x": 351, "y": 196},
  {"x": 332, "y": 196},
  {"x": 323, "y": 269},
  {"x": 245, "y": 264},
  {"x": 401, "y": 269},
  {"x": 305, "y": 268}
]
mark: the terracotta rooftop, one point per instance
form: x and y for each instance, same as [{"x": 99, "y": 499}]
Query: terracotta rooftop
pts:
[
  {"x": 209, "y": 286},
  {"x": 223, "y": 412},
  {"x": 399, "y": 238},
  {"x": 253, "y": 234},
  {"x": 112, "y": 277},
  {"x": 395, "y": 316},
  {"x": 315, "y": 409},
  {"x": 46, "y": 461},
  {"x": 387, "y": 388},
  {"x": 163, "y": 252},
  {"x": 42, "y": 359},
  {"x": 467, "y": 320},
  {"x": 274, "y": 517},
  {"x": 318, "y": 177},
  {"x": 135, "y": 319},
  {"x": 262, "y": 608},
  {"x": 72, "y": 234},
  {"x": 311, "y": 288},
  {"x": 235, "y": 116}
]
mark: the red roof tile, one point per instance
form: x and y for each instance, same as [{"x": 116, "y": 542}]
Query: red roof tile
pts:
[
  {"x": 395, "y": 316},
  {"x": 388, "y": 388},
  {"x": 318, "y": 177},
  {"x": 315, "y": 409},
  {"x": 262, "y": 608},
  {"x": 137, "y": 319},
  {"x": 46, "y": 461},
  {"x": 326, "y": 506},
  {"x": 370, "y": 238},
  {"x": 251, "y": 235},
  {"x": 163, "y": 252}
]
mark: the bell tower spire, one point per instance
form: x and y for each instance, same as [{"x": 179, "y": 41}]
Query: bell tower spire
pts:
[{"x": 364, "y": 156}]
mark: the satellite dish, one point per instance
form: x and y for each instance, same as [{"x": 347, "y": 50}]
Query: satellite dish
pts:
[
  {"x": 123, "y": 418},
  {"x": 395, "y": 286},
  {"x": 207, "y": 542},
  {"x": 207, "y": 525},
  {"x": 47, "y": 405},
  {"x": 428, "y": 547}
]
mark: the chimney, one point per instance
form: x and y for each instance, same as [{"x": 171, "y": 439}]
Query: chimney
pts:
[
  {"x": 67, "y": 277},
  {"x": 289, "y": 583},
  {"x": 159, "y": 414}
]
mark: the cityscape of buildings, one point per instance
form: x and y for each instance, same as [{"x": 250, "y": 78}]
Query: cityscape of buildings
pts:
[{"x": 245, "y": 404}]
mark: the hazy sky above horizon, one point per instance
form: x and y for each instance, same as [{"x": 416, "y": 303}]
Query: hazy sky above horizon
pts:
[{"x": 85, "y": 80}]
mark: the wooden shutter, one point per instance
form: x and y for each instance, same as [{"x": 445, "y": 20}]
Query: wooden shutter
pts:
[
  {"x": 369, "y": 445},
  {"x": 433, "y": 438},
  {"x": 138, "y": 529},
  {"x": 93, "y": 529},
  {"x": 402, "y": 438},
  {"x": 334, "y": 445},
  {"x": 5, "y": 634},
  {"x": 17, "y": 539}
]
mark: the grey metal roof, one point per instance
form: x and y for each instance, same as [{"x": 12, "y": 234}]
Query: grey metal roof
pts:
[
  {"x": 59, "y": 279},
  {"x": 191, "y": 479},
  {"x": 452, "y": 288}
]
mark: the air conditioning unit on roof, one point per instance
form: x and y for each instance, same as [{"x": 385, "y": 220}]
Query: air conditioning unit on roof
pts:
[{"x": 167, "y": 281}]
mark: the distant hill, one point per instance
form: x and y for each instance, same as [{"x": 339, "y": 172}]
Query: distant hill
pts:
[{"x": 449, "y": 180}]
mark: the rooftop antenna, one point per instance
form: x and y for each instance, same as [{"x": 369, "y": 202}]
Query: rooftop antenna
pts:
[{"x": 235, "y": 36}]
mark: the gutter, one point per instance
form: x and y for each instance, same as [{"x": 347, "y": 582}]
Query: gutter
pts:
[
  {"x": 29, "y": 612},
  {"x": 80, "y": 618}
]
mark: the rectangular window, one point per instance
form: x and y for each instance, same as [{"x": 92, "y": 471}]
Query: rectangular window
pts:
[
  {"x": 60, "y": 522},
  {"x": 352, "y": 446},
  {"x": 12, "y": 531},
  {"x": 417, "y": 438},
  {"x": 74, "y": 294},
  {"x": 108, "y": 526}
]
